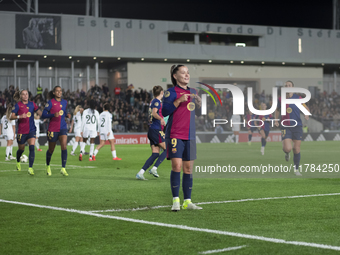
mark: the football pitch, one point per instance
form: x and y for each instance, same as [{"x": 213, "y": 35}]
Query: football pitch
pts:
[{"x": 100, "y": 208}]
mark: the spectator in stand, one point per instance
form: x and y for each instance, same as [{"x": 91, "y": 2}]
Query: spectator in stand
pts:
[
  {"x": 117, "y": 91},
  {"x": 45, "y": 94},
  {"x": 39, "y": 90},
  {"x": 105, "y": 89}
]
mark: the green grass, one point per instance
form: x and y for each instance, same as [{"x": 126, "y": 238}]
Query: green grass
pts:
[{"x": 112, "y": 185}]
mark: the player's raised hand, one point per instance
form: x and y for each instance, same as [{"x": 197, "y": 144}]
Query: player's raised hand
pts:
[
  {"x": 276, "y": 123},
  {"x": 306, "y": 117},
  {"x": 56, "y": 114},
  {"x": 162, "y": 122},
  {"x": 23, "y": 116}
]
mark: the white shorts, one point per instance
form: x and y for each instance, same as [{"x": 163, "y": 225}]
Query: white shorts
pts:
[
  {"x": 104, "y": 137},
  {"x": 9, "y": 137},
  {"x": 77, "y": 132},
  {"x": 236, "y": 127},
  {"x": 89, "y": 134}
]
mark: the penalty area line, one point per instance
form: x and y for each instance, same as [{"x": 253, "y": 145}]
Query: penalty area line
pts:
[
  {"x": 218, "y": 202},
  {"x": 183, "y": 227}
]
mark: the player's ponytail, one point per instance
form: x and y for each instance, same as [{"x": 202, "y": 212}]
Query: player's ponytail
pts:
[
  {"x": 92, "y": 105},
  {"x": 9, "y": 112},
  {"x": 77, "y": 109},
  {"x": 17, "y": 95},
  {"x": 50, "y": 94},
  {"x": 174, "y": 70}
]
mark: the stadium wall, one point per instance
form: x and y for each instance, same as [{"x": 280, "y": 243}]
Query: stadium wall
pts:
[
  {"x": 130, "y": 38},
  {"x": 147, "y": 75}
]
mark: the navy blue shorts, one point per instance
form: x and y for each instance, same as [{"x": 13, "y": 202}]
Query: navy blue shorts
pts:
[
  {"x": 252, "y": 129},
  {"x": 22, "y": 138},
  {"x": 294, "y": 133},
  {"x": 184, "y": 149},
  {"x": 156, "y": 136},
  {"x": 54, "y": 136},
  {"x": 266, "y": 132}
]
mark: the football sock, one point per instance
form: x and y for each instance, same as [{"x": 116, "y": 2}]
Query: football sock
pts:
[
  {"x": 263, "y": 142},
  {"x": 236, "y": 139},
  {"x": 187, "y": 185},
  {"x": 37, "y": 144},
  {"x": 95, "y": 152},
  {"x": 297, "y": 158},
  {"x": 74, "y": 147},
  {"x": 141, "y": 171},
  {"x": 11, "y": 152},
  {"x": 249, "y": 137},
  {"x": 31, "y": 155},
  {"x": 48, "y": 157},
  {"x": 114, "y": 154},
  {"x": 19, "y": 153},
  {"x": 150, "y": 161},
  {"x": 63, "y": 158},
  {"x": 82, "y": 147},
  {"x": 8, "y": 149},
  {"x": 160, "y": 159},
  {"x": 91, "y": 149},
  {"x": 175, "y": 181}
]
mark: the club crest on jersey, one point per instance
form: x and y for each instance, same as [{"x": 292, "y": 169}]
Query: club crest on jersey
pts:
[
  {"x": 47, "y": 105},
  {"x": 61, "y": 106},
  {"x": 167, "y": 93},
  {"x": 61, "y": 112},
  {"x": 289, "y": 110},
  {"x": 264, "y": 119},
  {"x": 191, "y": 106},
  {"x": 27, "y": 107},
  {"x": 29, "y": 114}
]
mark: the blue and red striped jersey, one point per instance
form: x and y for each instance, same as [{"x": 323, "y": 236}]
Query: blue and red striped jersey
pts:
[
  {"x": 153, "y": 122},
  {"x": 25, "y": 126},
  {"x": 56, "y": 123},
  {"x": 292, "y": 112},
  {"x": 265, "y": 118},
  {"x": 181, "y": 123}
]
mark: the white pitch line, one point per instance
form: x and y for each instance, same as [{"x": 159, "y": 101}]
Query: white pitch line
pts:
[
  {"x": 222, "y": 250},
  {"x": 160, "y": 224},
  {"x": 217, "y": 202}
]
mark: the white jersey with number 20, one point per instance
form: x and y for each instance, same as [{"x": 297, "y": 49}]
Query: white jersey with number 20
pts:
[{"x": 90, "y": 120}]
